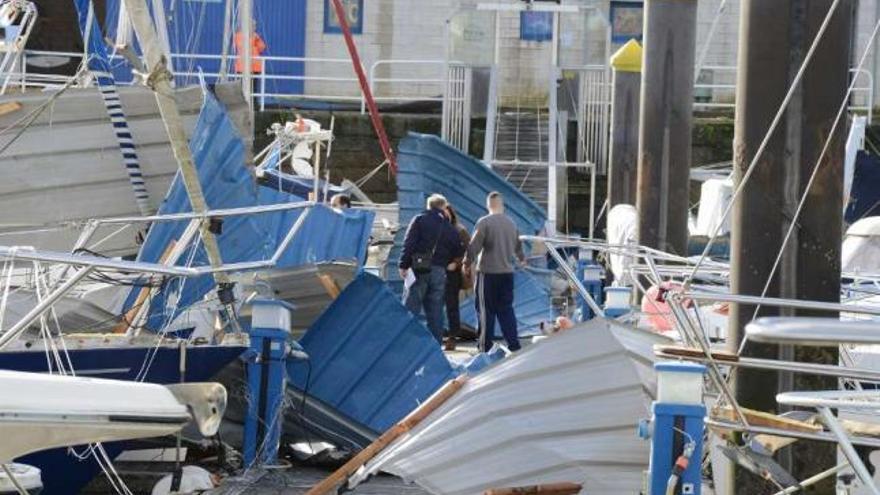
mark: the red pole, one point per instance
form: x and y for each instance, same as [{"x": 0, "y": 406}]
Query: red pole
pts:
[{"x": 365, "y": 87}]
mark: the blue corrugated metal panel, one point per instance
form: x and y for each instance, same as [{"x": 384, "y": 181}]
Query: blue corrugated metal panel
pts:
[
  {"x": 370, "y": 358},
  {"x": 196, "y": 27},
  {"x": 531, "y": 303},
  {"x": 427, "y": 165},
  {"x": 218, "y": 151}
]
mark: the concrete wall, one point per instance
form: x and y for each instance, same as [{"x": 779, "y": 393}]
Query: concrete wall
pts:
[
  {"x": 393, "y": 29},
  {"x": 416, "y": 30}
]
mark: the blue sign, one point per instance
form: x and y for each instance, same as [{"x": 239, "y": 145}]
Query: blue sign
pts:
[
  {"x": 354, "y": 14},
  {"x": 627, "y": 21},
  {"x": 535, "y": 26}
]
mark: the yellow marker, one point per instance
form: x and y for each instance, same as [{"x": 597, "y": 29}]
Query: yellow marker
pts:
[{"x": 628, "y": 58}]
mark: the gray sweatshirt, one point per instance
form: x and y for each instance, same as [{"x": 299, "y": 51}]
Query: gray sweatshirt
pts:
[{"x": 494, "y": 244}]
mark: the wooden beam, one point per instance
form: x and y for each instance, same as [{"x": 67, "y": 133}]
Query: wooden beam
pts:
[
  {"x": 329, "y": 484},
  {"x": 9, "y": 107},
  {"x": 547, "y": 489}
]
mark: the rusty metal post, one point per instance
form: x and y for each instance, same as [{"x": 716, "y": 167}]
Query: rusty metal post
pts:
[
  {"x": 626, "y": 89},
  {"x": 665, "y": 126}
]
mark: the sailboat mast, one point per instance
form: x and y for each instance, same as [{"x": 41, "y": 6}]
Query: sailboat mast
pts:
[
  {"x": 160, "y": 81},
  {"x": 227, "y": 36}
]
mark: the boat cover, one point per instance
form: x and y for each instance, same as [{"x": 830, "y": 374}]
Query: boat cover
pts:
[
  {"x": 219, "y": 154},
  {"x": 563, "y": 409},
  {"x": 427, "y": 165},
  {"x": 861, "y": 247},
  {"x": 531, "y": 303},
  {"x": 298, "y": 186},
  {"x": 864, "y": 196},
  {"x": 371, "y": 360},
  {"x": 623, "y": 229}
]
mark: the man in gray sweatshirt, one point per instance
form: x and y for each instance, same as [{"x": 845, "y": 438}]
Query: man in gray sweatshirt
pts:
[{"x": 493, "y": 249}]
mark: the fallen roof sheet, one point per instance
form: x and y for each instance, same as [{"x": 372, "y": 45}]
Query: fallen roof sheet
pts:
[
  {"x": 564, "y": 409},
  {"x": 371, "y": 359},
  {"x": 427, "y": 165},
  {"x": 219, "y": 154},
  {"x": 531, "y": 303},
  {"x": 309, "y": 288}
]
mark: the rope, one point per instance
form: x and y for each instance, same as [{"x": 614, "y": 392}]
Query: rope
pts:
[
  {"x": 766, "y": 141},
  {"x": 12, "y": 479},
  {"x": 363, "y": 180}
]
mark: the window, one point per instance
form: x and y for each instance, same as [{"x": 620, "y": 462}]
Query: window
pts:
[
  {"x": 627, "y": 19},
  {"x": 354, "y": 14},
  {"x": 535, "y": 26}
]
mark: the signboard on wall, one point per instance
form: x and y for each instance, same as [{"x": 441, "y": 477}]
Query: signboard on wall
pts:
[
  {"x": 627, "y": 21},
  {"x": 535, "y": 26},
  {"x": 354, "y": 14}
]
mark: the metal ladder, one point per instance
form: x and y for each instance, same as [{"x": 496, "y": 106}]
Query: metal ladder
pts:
[{"x": 521, "y": 146}]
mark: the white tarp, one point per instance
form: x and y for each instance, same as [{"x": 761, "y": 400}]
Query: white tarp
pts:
[
  {"x": 861, "y": 246},
  {"x": 715, "y": 195},
  {"x": 623, "y": 229}
]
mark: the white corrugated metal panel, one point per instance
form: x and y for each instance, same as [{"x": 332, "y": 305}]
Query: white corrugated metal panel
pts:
[
  {"x": 66, "y": 167},
  {"x": 564, "y": 409}
]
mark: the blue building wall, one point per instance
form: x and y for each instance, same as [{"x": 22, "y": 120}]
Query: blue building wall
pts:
[{"x": 196, "y": 27}]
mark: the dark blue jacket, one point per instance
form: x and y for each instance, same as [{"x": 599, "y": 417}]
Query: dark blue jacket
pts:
[{"x": 426, "y": 229}]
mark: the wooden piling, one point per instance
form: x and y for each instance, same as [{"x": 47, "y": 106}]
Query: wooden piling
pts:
[
  {"x": 773, "y": 42},
  {"x": 665, "y": 123},
  {"x": 626, "y": 64}
]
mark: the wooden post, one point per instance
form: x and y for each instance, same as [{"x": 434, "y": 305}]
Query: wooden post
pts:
[
  {"x": 665, "y": 125},
  {"x": 548, "y": 489},
  {"x": 625, "y": 106},
  {"x": 774, "y": 39},
  {"x": 329, "y": 484}
]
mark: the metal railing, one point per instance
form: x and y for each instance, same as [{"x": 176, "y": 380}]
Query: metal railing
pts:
[
  {"x": 400, "y": 85},
  {"x": 314, "y": 75}
]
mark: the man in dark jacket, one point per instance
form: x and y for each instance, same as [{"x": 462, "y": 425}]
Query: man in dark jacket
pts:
[{"x": 429, "y": 236}]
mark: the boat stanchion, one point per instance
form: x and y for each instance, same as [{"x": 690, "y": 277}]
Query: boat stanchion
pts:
[
  {"x": 676, "y": 430},
  {"x": 592, "y": 276},
  {"x": 266, "y": 379}
]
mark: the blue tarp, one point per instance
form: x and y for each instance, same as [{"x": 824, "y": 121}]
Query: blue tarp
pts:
[
  {"x": 218, "y": 152},
  {"x": 427, "y": 165},
  {"x": 531, "y": 303},
  {"x": 298, "y": 186},
  {"x": 370, "y": 358}
]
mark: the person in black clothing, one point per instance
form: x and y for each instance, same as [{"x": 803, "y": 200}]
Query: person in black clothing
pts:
[
  {"x": 455, "y": 282},
  {"x": 431, "y": 243}
]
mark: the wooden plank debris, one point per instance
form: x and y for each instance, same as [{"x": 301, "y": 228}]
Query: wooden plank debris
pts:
[
  {"x": 548, "y": 489},
  {"x": 329, "y": 484}
]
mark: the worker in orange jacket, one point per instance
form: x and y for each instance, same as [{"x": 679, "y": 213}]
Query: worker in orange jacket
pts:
[{"x": 258, "y": 46}]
